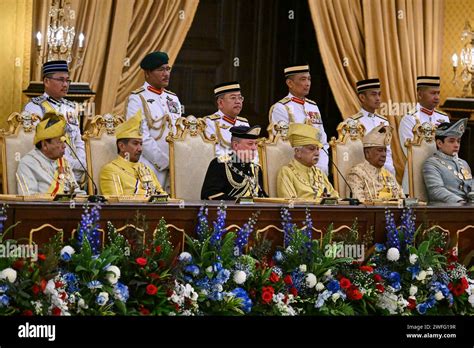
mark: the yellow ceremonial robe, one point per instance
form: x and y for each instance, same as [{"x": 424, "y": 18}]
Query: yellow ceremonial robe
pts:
[
  {"x": 295, "y": 180},
  {"x": 122, "y": 177}
]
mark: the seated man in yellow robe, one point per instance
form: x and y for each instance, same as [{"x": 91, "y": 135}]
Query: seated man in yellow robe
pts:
[
  {"x": 369, "y": 180},
  {"x": 125, "y": 175},
  {"x": 301, "y": 178},
  {"x": 45, "y": 169}
]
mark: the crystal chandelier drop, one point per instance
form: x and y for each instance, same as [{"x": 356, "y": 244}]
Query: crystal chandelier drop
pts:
[{"x": 466, "y": 60}]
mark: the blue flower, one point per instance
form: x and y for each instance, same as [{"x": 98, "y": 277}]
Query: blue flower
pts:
[
  {"x": 219, "y": 227},
  {"x": 71, "y": 282},
  {"x": 3, "y": 288},
  {"x": 394, "y": 277},
  {"x": 4, "y": 300},
  {"x": 414, "y": 270},
  {"x": 217, "y": 267},
  {"x": 421, "y": 308},
  {"x": 244, "y": 297},
  {"x": 94, "y": 284},
  {"x": 379, "y": 247},
  {"x": 333, "y": 286},
  {"x": 121, "y": 292},
  {"x": 192, "y": 269},
  {"x": 223, "y": 276},
  {"x": 278, "y": 256},
  {"x": 101, "y": 299},
  {"x": 185, "y": 257}
]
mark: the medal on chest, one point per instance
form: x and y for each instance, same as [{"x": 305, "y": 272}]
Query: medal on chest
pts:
[
  {"x": 314, "y": 117},
  {"x": 172, "y": 105}
]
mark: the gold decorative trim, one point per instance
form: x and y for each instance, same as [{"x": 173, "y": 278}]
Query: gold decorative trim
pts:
[
  {"x": 34, "y": 230},
  {"x": 168, "y": 226},
  {"x": 124, "y": 227},
  {"x": 228, "y": 228}
]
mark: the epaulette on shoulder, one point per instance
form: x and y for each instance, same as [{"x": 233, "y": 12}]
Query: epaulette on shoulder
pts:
[
  {"x": 412, "y": 111},
  {"x": 213, "y": 117},
  {"x": 38, "y": 100},
  {"x": 68, "y": 103},
  {"x": 224, "y": 158},
  {"x": 382, "y": 117},
  {"x": 441, "y": 112},
  {"x": 357, "y": 116},
  {"x": 242, "y": 119},
  {"x": 169, "y": 92},
  {"x": 284, "y": 100},
  {"x": 310, "y": 101},
  {"x": 139, "y": 90}
]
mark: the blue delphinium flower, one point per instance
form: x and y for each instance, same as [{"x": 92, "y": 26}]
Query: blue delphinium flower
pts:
[
  {"x": 72, "y": 284},
  {"x": 393, "y": 240},
  {"x": 223, "y": 276},
  {"x": 89, "y": 228},
  {"x": 219, "y": 227},
  {"x": 414, "y": 270},
  {"x": 192, "y": 269},
  {"x": 408, "y": 226},
  {"x": 308, "y": 223},
  {"x": 333, "y": 286},
  {"x": 299, "y": 280},
  {"x": 121, "y": 292},
  {"x": 243, "y": 234},
  {"x": 244, "y": 297},
  {"x": 202, "y": 227},
  {"x": 287, "y": 225}
]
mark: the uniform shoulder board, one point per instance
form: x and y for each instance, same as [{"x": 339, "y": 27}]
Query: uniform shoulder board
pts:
[
  {"x": 441, "y": 112},
  {"x": 68, "y": 103},
  {"x": 139, "y": 90},
  {"x": 284, "y": 100},
  {"x": 310, "y": 101},
  {"x": 224, "y": 158},
  {"x": 38, "y": 100},
  {"x": 169, "y": 92},
  {"x": 213, "y": 117},
  {"x": 357, "y": 116},
  {"x": 411, "y": 112},
  {"x": 382, "y": 117},
  {"x": 243, "y": 119}
]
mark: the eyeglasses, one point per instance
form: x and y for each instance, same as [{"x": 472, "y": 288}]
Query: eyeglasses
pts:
[
  {"x": 235, "y": 98},
  {"x": 60, "y": 80},
  {"x": 168, "y": 69}
]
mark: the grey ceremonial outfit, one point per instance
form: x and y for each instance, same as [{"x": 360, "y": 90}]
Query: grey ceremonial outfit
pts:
[
  {"x": 447, "y": 178},
  {"x": 43, "y": 104}
]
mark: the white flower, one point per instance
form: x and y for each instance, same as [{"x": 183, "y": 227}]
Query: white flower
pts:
[
  {"x": 303, "y": 268},
  {"x": 335, "y": 296},
  {"x": 413, "y": 290},
  {"x": 471, "y": 300},
  {"x": 439, "y": 296},
  {"x": 413, "y": 258},
  {"x": 421, "y": 275},
  {"x": 240, "y": 277},
  {"x": 393, "y": 254},
  {"x": 412, "y": 298},
  {"x": 209, "y": 269},
  {"x": 185, "y": 257},
  {"x": 82, "y": 304},
  {"x": 102, "y": 298},
  {"x": 50, "y": 288},
  {"x": 429, "y": 271},
  {"x": 8, "y": 274},
  {"x": 311, "y": 280},
  {"x": 114, "y": 276},
  {"x": 328, "y": 273},
  {"x": 319, "y": 286},
  {"x": 67, "y": 252}
]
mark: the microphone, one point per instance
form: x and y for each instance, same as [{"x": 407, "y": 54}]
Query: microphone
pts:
[
  {"x": 95, "y": 198},
  {"x": 352, "y": 201}
]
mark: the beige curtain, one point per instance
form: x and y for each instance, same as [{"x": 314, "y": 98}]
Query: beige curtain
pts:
[
  {"x": 119, "y": 31},
  {"x": 15, "y": 16},
  {"x": 397, "y": 40}
]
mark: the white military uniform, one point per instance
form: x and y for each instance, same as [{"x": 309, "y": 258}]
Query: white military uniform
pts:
[
  {"x": 291, "y": 110},
  {"x": 156, "y": 108},
  {"x": 405, "y": 130},
  {"x": 370, "y": 121},
  {"x": 43, "y": 104},
  {"x": 220, "y": 125}
]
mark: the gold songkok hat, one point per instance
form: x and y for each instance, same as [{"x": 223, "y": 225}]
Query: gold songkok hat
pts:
[
  {"x": 378, "y": 137},
  {"x": 131, "y": 129},
  {"x": 51, "y": 126},
  {"x": 300, "y": 134}
]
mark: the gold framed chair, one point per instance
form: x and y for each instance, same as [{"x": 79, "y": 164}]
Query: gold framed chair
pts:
[
  {"x": 191, "y": 151},
  {"x": 15, "y": 142},
  {"x": 100, "y": 143},
  {"x": 47, "y": 231},
  {"x": 274, "y": 153},
  {"x": 347, "y": 151},
  {"x": 418, "y": 150},
  {"x": 130, "y": 237}
]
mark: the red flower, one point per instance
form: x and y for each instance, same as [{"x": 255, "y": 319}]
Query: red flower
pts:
[
  {"x": 154, "y": 276},
  {"x": 151, "y": 289},
  {"x": 268, "y": 289},
  {"x": 267, "y": 296},
  {"x": 377, "y": 278},
  {"x": 439, "y": 250},
  {"x": 458, "y": 290},
  {"x": 274, "y": 277},
  {"x": 63, "y": 296},
  {"x": 147, "y": 251},
  {"x": 411, "y": 304},
  {"x": 58, "y": 284},
  {"x": 56, "y": 311},
  {"x": 285, "y": 299},
  {"x": 41, "y": 257},
  {"x": 144, "y": 311},
  {"x": 450, "y": 286},
  {"x": 464, "y": 283},
  {"x": 43, "y": 284},
  {"x": 294, "y": 291},
  {"x": 345, "y": 283},
  {"x": 36, "y": 289},
  {"x": 353, "y": 293},
  {"x": 158, "y": 248},
  {"x": 368, "y": 269},
  {"x": 18, "y": 264},
  {"x": 380, "y": 287},
  {"x": 141, "y": 261},
  {"x": 288, "y": 280},
  {"x": 27, "y": 313}
]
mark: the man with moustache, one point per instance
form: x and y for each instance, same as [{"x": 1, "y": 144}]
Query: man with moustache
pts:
[
  {"x": 161, "y": 109},
  {"x": 369, "y": 180},
  {"x": 229, "y": 102},
  {"x": 448, "y": 178},
  {"x": 368, "y": 92},
  {"x": 125, "y": 175},
  {"x": 300, "y": 178},
  {"x": 296, "y": 108},
  {"x": 56, "y": 83},
  {"x": 428, "y": 89}
]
